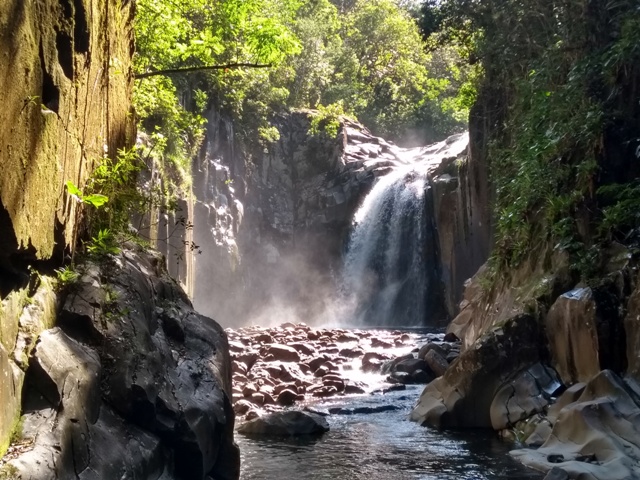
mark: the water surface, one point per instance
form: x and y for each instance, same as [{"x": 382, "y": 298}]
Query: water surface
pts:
[{"x": 381, "y": 446}]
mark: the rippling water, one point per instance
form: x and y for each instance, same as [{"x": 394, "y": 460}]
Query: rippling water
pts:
[{"x": 381, "y": 446}]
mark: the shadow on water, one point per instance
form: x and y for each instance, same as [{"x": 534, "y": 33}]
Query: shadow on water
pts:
[{"x": 382, "y": 446}]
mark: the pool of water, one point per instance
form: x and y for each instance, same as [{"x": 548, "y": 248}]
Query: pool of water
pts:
[{"x": 381, "y": 446}]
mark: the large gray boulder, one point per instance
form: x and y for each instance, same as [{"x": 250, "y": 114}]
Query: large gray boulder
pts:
[
  {"x": 285, "y": 424},
  {"x": 595, "y": 437}
]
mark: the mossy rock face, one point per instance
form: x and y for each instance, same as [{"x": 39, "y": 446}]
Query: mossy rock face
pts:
[
  {"x": 22, "y": 319},
  {"x": 63, "y": 103}
]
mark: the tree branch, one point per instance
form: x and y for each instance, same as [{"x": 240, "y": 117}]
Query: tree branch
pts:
[{"x": 170, "y": 71}]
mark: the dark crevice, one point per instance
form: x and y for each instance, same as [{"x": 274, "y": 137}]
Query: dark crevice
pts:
[
  {"x": 67, "y": 9},
  {"x": 50, "y": 92},
  {"x": 80, "y": 27},
  {"x": 64, "y": 45},
  {"x": 12, "y": 277}
]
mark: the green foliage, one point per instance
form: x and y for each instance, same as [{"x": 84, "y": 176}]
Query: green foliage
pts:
[
  {"x": 621, "y": 209},
  {"x": 367, "y": 55},
  {"x": 67, "y": 275},
  {"x": 558, "y": 80},
  {"x": 327, "y": 119},
  {"x": 104, "y": 243}
]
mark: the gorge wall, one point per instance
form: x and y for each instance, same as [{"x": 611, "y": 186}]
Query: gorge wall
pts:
[
  {"x": 275, "y": 224},
  {"x": 106, "y": 371},
  {"x": 66, "y": 83}
]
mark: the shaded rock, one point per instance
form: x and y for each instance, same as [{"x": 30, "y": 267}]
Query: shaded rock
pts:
[
  {"x": 351, "y": 389},
  {"x": 410, "y": 365},
  {"x": 451, "y": 337},
  {"x": 284, "y": 424},
  {"x": 287, "y": 397},
  {"x": 432, "y": 346},
  {"x": 303, "y": 348},
  {"x": 462, "y": 397},
  {"x": 422, "y": 377},
  {"x": 436, "y": 362}
]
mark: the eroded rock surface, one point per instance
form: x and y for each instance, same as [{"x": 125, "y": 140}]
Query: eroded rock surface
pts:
[
  {"x": 132, "y": 384},
  {"x": 463, "y": 396},
  {"x": 595, "y": 437}
]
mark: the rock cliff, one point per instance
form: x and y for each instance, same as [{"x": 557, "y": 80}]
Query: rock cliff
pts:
[
  {"x": 286, "y": 212},
  {"x": 131, "y": 383}
]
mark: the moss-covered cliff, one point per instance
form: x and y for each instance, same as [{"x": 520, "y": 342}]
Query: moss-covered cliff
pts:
[{"x": 66, "y": 81}]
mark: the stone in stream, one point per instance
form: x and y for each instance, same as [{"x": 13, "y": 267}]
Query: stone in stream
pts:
[
  {"x": 282, "y": 353},
  {"x": 362, "y": 410},
  {"x": 284, "y": 424},
  {"x": 437, "y": 363}
]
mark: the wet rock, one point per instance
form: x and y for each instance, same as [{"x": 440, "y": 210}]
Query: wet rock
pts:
[
  {"x": 556, "y": 474},
  {"x": 287, "y": 397},
  {"x": 303, "y": 348},
  {"x": 352, "y": 352},
  {"x": 451, "y": 337},
  {"x": 410, "y": 365},
  {"x": 422, "y": 377},
  {"x": 351, "y": 389},
  {"x": 289, "y": 423},
  {"x": 362, "y": 410},
  {"x": 377, "y": 343},
  {"x": 432, "y": 346},
  {"x": 282, "y": 353}
]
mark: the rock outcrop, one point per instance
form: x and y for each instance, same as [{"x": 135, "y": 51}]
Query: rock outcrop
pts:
[
  {"x": 66, "y": 86},
  {"x": 595, "y": 436},
  {"x": 464, "y": 395},
  {"x": 66, "y": 81},
  {"x": 133, "y": 383},
  {"x": 288, "y": 210}
]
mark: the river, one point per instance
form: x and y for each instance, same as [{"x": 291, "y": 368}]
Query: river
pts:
[{"x": 381, "y": 446}]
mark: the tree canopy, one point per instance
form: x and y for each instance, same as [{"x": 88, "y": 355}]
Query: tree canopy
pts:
[{"x": 365, "y": 58}]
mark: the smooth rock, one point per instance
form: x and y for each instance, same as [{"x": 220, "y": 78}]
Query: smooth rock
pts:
[{"x": 289, "y": 423}]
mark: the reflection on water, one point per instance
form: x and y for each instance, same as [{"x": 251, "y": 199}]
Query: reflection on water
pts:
[{"x": 381, "y": 446}]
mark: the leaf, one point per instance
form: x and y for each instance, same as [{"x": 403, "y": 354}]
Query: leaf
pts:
[
  {"x": 73, "y": 190},
  {"x": 96, "y": 200}
]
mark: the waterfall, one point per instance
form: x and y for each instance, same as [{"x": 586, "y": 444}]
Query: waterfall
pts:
[
  {"x": 391, "y": 268},
  {"x": 386, "y": 264}
]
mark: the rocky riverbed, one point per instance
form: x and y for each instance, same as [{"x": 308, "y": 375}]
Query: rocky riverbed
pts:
[{"x": 276, "y": 368}]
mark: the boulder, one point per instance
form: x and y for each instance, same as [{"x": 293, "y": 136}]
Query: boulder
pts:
[
  {"x": 282, "y": 353},
  {"x": 595, "y": 437},
  {"x": 285, "y": 424},
  {"x": 529, "y": 392},
  {"x": 141, "y": 367},
  {"x": 436, "y": 362},
  {"x": 462, "y": 397}
]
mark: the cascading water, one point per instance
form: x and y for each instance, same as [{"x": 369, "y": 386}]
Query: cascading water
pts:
[
  {"x": 391, "y": 269},
  {"x": 386, "y": 262}
]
